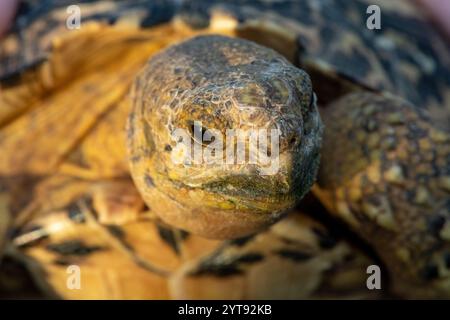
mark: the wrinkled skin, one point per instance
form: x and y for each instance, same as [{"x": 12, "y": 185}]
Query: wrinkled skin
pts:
[{"x": 224, "y": 83}]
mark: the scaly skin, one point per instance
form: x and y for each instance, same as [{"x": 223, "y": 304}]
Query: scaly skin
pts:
[
  {"x": 224, "y": 83},
  {"x": 385, "y": 171}
]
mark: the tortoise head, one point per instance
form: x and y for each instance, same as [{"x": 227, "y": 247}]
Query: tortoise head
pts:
[{"x": 224, "y": 136}]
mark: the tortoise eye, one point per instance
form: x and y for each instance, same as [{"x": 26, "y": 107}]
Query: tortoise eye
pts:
[{"x": 197, "y": 138}]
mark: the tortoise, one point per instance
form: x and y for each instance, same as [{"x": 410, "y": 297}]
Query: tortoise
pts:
[{"x": 81, "y": 188}]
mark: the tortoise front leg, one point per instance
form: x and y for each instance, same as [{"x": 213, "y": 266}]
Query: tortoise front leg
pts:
[{"x": 385, "y": 171}]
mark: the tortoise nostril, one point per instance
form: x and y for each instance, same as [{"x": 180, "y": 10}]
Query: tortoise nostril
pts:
[{"x": 293, "y": 141}]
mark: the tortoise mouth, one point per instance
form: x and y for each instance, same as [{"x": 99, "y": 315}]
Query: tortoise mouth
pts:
[{"x": 251, "y": 188}]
